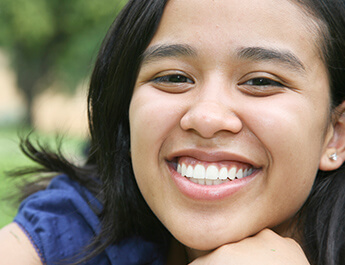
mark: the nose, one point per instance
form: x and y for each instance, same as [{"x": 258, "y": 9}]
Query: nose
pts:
[{"x": 207, "y": 117}]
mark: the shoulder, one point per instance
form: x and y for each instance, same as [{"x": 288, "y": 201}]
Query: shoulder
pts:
[
  {"x": 15, "y": 247},
  {"x": 64, "y": 214},
  {"x": 60, "y": 221}
]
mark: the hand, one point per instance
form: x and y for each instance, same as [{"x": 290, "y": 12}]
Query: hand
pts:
[{"x": 265, "y": 248}]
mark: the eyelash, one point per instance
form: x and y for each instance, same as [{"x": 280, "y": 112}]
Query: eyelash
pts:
[
  {"x": 167, "y": 79},
  {"x": 261, "y": 87},
  {"x": 263, "y": 81},
  {"x": 256, "y": 86}
]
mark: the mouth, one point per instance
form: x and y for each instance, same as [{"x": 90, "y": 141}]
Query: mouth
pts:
[
  {"x": 212, "y": 173},
  {"x": 208, "y": 178}
]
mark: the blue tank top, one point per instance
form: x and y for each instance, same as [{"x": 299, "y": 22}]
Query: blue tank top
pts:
[{"x": 60, "y": 222}]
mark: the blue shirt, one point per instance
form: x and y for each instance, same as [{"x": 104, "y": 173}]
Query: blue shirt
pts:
[{"x": 60, "y": 223}]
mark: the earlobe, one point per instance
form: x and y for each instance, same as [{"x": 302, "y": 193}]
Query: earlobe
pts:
[
  {"x": 330, "y": 160},
  {"x": 334, "y": 153}
]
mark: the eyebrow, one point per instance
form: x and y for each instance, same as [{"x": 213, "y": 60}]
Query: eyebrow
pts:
[
  {"x": 167, "y": 50},
  {"x": 264, "y": 54},
  {"x": 250, "y": 53}
]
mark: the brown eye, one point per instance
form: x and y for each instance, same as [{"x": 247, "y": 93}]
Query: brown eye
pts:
[
  {"x": 173, "y": 79},
  {"x": 262, "y": 87},
  {"x": 262, "y": 82}
]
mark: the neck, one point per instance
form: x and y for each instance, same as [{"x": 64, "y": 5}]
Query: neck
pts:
[
  {"x": 180, "y": 254},
  {"x": 193, "y": 254},
  {"x": 177, "y": 253}
]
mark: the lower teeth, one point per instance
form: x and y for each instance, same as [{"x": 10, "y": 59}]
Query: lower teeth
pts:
[{"x": 208, "y": 181}]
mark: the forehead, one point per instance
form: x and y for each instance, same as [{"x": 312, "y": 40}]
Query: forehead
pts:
[
  {"x": 238, "y": 23},
  {"x": 249, "y": 12}
]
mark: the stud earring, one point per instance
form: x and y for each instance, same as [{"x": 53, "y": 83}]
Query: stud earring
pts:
[{"x": 333, "y": 157}]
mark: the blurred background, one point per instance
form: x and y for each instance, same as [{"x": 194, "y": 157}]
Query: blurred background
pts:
[{"x": 47, "y": 51}]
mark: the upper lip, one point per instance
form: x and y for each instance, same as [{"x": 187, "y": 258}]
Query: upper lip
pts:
[{"x": 212, "y": 156}]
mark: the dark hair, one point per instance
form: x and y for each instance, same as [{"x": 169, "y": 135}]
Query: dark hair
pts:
[
  {"x": 322, "y": 217},
  {"x": 110, "y": 93},
  {"x": 329, "y": 15},
  {"x": 125, "y": 211}
]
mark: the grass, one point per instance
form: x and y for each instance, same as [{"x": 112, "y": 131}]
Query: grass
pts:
[{"x": 11, "y": 158}]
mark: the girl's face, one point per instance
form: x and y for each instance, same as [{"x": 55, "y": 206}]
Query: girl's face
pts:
[{"x": 229, "y": 90}]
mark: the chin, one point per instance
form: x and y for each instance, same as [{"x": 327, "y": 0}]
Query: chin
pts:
[
  {"x": 207, "y": 241},
  {"x": 202, "y": 244}
]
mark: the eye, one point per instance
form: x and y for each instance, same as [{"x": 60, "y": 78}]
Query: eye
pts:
[
  {"x": 261, "y": 81},
  {"x": 172, "y": 82},
  {"x": 261, "y": 87},
  {"x": 172, "y": 78}
]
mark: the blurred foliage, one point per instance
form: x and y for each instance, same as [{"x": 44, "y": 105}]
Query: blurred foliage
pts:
[
  {"x": 54, "y": 41},
  {"x": 11, "y": 158}
]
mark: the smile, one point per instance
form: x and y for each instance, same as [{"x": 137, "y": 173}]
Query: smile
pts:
[
  {"x": 211, "y": 173},
  {"x": 211, "y": 179}
]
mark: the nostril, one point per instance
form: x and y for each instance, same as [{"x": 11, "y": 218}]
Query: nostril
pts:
[{"x": 209, "y": 123}]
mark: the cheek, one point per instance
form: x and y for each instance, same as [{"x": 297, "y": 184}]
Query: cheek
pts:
[
  {"x": 152, "y": 119},
  {"x": 290, "y": 127},
  {"x": 292, "y": 133}
]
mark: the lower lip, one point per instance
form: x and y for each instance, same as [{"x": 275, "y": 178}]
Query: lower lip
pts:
[{"x": 208, "y": 192}]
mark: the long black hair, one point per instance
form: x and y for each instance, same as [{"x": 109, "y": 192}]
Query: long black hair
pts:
[
  {"x": 322, "y": 218},
  {"x": 125, "y": 212},
  {"x": 111, "y": 88}
]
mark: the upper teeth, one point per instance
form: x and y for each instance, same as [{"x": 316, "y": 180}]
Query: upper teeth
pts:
[{"x": 212, "y": 172}]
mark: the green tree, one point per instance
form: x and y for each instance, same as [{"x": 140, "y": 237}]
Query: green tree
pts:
[{"x": 53, "y": 40}]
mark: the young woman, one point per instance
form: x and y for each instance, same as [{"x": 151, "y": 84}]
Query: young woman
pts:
[{"x": 217, "y": 138}]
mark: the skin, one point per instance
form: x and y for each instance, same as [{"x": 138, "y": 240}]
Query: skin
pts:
[
  {"x": 204, "y": 102},
  {"x": 14, "y": 241},
  {"x": 218, "y": 113}
]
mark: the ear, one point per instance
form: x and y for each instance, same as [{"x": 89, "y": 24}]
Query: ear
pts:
[{"x": 335, "y": 142}]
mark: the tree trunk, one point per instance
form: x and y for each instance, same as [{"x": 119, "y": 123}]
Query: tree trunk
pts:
[{"x": 30, "y": 72}]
